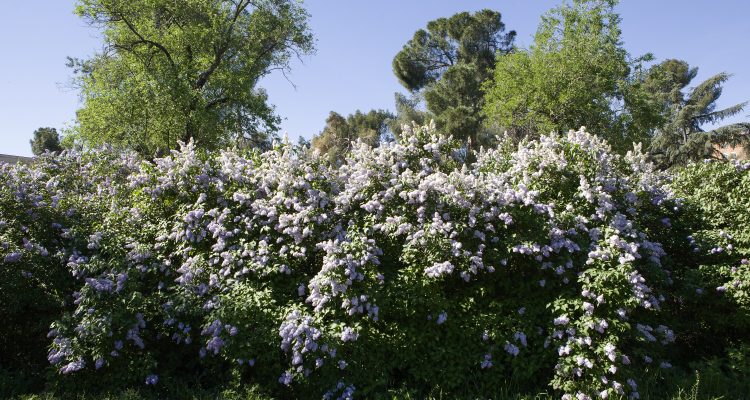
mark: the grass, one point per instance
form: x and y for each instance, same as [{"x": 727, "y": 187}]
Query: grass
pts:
[
  {"x": 725, "y": 379},
  {"x": 695, "y": 391}
]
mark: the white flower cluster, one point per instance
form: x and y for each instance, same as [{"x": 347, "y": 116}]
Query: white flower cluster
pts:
[{"x": 563, "y": 213}]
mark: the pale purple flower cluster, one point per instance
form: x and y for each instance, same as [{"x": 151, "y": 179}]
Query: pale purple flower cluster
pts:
[
  {"x": 438, "y": 269},
  {"x": 60, "y": 350},
  {"x": 12, "y": 257},
  {"x": 348, "y": 334},
  {"x": 95, "y": 240},
  {"x": 512, "y": 349},
  {"x": 347, "y": 392},
  {"x": 100, "y": 284},
  {"x": 300, "y": 337},
  {"x": 133, "y": 333},
  {"x": 214, "y": 342},
  {"x": 73, "y": 366},
  {"x": 486, "y": 361},
  {"x": 342, "y": 268},
  {"x": 152, "y": 379},
  {"x": 204, "y": 231}
]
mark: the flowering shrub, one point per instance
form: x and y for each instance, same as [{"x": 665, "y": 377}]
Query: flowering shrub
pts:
[
  {"x": 556, "y": 261},
  {"x": 718, "y": 193},
  {"x": 45, "y": 211}
]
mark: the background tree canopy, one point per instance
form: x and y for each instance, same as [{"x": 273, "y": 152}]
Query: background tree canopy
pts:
[
  {"x": 340, "y": 133},
  {"x": 448, "y": 62},
  {"x": 45, "y": 139},
  {"x": 682, "y": 137},
  {"x": 185, "y": 70},
  {"x": 576, "y": 73},
  {"x": 408, "y": 111}
]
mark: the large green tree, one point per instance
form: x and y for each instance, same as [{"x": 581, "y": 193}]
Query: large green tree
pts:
[
  {"x": 185, "y": 70},
  {"x": 682, "y": 138},
  {"x": 448, "y": 62},
  {"x": 45, "y": 139},
  {"x": 340, "y": 134},
  {"x": 576, "y": 73}
]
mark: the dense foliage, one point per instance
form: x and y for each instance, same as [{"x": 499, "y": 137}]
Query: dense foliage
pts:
[
  {"x": 171, "y": 72},
  {"x": 340, "y": 134},
  {"x": 447, "y": 62},
  {"x": 45, "y": 139},
  {"x": 719, "y": 193},
  {"x": 682, "y": 138},
  {"x": 188, "y": 70},
  {"x": 575, "y": 73},
  {"x": 554, "y": 265}
]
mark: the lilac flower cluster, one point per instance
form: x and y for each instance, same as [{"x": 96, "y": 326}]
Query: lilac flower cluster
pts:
[
  {"x": 347, "y": 392},
  {"x": 300, "y": 337},
  {"x": 559, "y": 221},
  {"x": 602, "y": 206}
]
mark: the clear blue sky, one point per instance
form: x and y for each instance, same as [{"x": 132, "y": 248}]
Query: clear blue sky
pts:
[{"x": 356, "y": 41}]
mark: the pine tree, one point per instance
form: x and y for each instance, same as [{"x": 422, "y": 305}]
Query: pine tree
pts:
[
  {"x": 447, "y": 64},
  {"x": 45, "y": 139},
  {"x": 682, "y": 138}
]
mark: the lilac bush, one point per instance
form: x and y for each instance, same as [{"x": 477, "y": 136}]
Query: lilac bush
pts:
[
  {"x": 554, "y": 260},
  {"x": 718, "y": 194},
  {"x": 46, "y": 211}
]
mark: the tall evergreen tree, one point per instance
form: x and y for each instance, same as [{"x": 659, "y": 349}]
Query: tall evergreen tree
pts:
[
  {"x": 448, "y": 62},
  {"x": 682, "y": 138},
  {"x": 45, "y": 139}
]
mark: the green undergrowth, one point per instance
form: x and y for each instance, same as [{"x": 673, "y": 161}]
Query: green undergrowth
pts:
[{"x": 716, "y": 379}]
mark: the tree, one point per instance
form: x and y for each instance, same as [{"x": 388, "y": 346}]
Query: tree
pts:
[
  {"x": 45, "y": 139},
  {"x": 575, "y": 74},
  {"x": 448, "y": 62},
  {"x": 185, "y": 70},
  {"x": 303, "y": 143},
  {"x": 340, "y": 133},
  {"x": 682, "y": 138},
  {"x": 408, "y": 112}
]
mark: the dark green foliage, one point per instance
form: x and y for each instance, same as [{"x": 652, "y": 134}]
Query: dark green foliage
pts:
[
  {"x": 404, "y": 352},
  {"x": 456, "y": 101},
  {"x": 716, "y": 323},
  {"x": 720, "y": 191},
  {"x": 682, "y": 137},
  {"x": 448, "y": 62},
  {"x": 45, "y": 139},
  {"x": 187, "y": 70},
  {"x": 461, "y": 39},
  {"x": 246, "y": 239}
]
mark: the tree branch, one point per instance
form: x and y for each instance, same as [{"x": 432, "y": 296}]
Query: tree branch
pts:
[
  {"x": 205, "y": 75},
  {"x": 148, "y": 42},
  {"x": 216, "y": 102}
]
